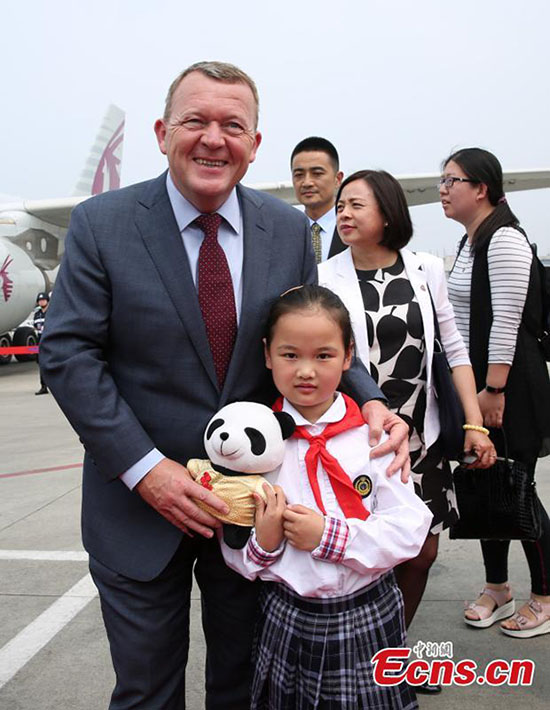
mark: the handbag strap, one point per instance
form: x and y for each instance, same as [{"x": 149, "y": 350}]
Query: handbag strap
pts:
[
  {"x": 437, "y": 332},
  {"x": 502, "y": 434}
]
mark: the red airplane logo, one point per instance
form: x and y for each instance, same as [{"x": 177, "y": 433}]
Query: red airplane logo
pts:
[
  {"x": 7, "y": 283},
  {"x": 108, "y": 168}
]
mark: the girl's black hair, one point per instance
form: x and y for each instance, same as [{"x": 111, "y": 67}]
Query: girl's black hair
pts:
[
  {"x": 392, "y": 203},
  {"x": 304, "y": 298},
  {"x": 483, "y": 167}
]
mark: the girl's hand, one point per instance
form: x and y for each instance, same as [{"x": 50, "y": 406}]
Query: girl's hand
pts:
[
  {"x": 303, "y": 527},
  {"x": 492, "y": 408},
  {"x": 482, "y": 446},
  {"x": 269, "y": 517}
]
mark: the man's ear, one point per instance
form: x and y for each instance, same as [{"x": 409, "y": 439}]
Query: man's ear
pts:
[
  {"x": 257, "y": 141},
  {"x": 160, "y": 132},
  {"x": 339, "y": 178},
  {"x": 286, "y": 422},
  {"x": 267, "y": 355}
]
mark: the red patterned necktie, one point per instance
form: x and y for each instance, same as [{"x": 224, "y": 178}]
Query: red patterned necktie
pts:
[
  {"x": 348, "y": 498},
  {"x": 216, "y": 297}
]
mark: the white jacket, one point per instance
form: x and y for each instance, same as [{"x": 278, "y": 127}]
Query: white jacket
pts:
[{"x": 422, "y": 270}]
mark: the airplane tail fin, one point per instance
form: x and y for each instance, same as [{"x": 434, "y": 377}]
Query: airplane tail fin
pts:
[{"x": 102, "y": 169}]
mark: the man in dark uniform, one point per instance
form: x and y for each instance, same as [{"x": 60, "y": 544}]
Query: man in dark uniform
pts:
[{"x": 42, "y": 301}]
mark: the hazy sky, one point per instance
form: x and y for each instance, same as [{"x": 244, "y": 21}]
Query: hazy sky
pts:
[{"x": 394, "y": 84}]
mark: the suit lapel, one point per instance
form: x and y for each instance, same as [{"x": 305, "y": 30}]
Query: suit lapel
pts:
[
  {"x": 258, "y": 235},
  {"x": 158, "y": 228},
  {"x": 339, "y": 273}
]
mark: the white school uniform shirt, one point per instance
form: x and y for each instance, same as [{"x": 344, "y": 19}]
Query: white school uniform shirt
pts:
[
  {"x": 423, "y": 270},
  {"x": 394, "y": 531}
]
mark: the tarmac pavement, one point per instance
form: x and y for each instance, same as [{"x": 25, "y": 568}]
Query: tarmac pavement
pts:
[{"x": 53, "y": 649}]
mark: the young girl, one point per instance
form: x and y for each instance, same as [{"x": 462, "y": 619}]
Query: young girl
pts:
[{"x": 331, "y": 531}]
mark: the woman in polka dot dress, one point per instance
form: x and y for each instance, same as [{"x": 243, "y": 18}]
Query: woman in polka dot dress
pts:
[{"x": 389, "y": 290}]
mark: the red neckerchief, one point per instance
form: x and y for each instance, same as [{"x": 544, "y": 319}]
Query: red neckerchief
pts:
[{"x": 348, "y": 498}]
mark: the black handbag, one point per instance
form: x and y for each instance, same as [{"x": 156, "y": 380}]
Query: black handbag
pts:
[
  {"x": 451, "y": 413},
  {"x": 497, "y": 503}
]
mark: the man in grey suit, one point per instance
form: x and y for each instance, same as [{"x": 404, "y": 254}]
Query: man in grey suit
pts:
[{"x": 133, "y": 357}]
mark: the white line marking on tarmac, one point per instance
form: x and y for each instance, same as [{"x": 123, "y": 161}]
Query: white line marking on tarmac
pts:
[
  {"x": 48, "y": 555},
  {"x": 28, "y": 642}
]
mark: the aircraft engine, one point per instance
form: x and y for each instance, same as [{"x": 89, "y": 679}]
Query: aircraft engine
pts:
[{"x": 20, "y": 281}]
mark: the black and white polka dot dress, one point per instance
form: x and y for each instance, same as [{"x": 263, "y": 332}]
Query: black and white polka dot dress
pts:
[{"x": 398, "y": 366}]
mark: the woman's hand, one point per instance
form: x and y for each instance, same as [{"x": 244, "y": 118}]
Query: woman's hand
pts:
[
  {"x": 492, "y": 408},
  {"x": 303, "y": 527},
  {"x": 269, "y": 517},
  {"x": 483, "y": 448}
]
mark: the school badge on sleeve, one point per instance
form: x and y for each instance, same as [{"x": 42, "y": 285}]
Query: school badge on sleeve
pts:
[{"x": 363, "y": 485}]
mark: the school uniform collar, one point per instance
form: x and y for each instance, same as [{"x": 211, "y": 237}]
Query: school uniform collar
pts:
[{"x": 334, "y": 413}]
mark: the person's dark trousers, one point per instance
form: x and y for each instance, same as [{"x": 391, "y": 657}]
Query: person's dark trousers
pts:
[
  {"x": 43, "y": 388},
  {"x": 147, "y": 626},
  {"x": 495, "y": 556}
]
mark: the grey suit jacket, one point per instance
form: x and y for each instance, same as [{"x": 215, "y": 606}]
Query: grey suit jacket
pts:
[{"x": 126, "y": 355}]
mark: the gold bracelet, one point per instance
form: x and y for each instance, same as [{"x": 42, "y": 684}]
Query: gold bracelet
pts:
[{"x": 475, "y": 427}]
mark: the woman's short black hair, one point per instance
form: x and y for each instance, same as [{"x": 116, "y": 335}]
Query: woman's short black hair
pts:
[
  {"x": 392, "y": 203},
  {"x": 306, "y": 297}
]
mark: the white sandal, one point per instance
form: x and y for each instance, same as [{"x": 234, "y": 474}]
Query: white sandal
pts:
[
  {"x": 530, "y": 627},
  {"x": 504, "y": 607}
]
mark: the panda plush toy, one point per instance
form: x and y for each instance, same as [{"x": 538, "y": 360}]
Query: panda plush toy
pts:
[{"x": 243, "y": 440}]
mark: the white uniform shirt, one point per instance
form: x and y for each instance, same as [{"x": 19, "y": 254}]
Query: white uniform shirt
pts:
[{"x": 395, "y": 531}]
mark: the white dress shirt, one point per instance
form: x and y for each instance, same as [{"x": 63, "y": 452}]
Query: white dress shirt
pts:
[
  {"x": 394, "y": 531},
  {"x": 230, "y": 238}
]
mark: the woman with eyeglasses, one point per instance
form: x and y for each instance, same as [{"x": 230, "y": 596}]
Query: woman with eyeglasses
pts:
[
  {"x": 388, "y": 290},
  {"x": 496, "y": 295}
]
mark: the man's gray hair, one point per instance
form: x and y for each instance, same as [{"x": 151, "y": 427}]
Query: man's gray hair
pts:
[{"x": 220, "y": 71}]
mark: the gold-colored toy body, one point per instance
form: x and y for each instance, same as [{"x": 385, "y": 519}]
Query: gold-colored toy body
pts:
[{"x": 236, "y": 491}]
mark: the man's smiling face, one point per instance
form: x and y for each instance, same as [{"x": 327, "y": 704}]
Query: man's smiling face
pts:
[{"x": 209, "y": 139}]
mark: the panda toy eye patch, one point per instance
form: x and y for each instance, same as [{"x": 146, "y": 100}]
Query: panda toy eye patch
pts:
[
  {"x": 257, "y": 441},
  {"x": 216, "y": 424}
]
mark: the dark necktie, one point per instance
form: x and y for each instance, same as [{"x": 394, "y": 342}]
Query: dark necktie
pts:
[
  {"x": 216, "y": 297},
  {"x": 316, "y": 241}
]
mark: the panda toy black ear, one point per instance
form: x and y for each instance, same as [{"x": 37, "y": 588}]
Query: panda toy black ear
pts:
[{"x": 287, "y": 424}]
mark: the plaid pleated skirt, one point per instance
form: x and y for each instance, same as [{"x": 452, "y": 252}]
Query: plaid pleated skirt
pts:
[{"x": 316, "y": 653}]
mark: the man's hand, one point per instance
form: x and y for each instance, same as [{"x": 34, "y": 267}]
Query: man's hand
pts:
[
  {"x": 170, "y": 490},
  {"x": 379, "y": 418},
  {"x": 303, "y": 527},
  {"x": 269, "y": 518}
]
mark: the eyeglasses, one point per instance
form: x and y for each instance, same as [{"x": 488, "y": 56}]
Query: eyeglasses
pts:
[{"x": 450, "y": 181}]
